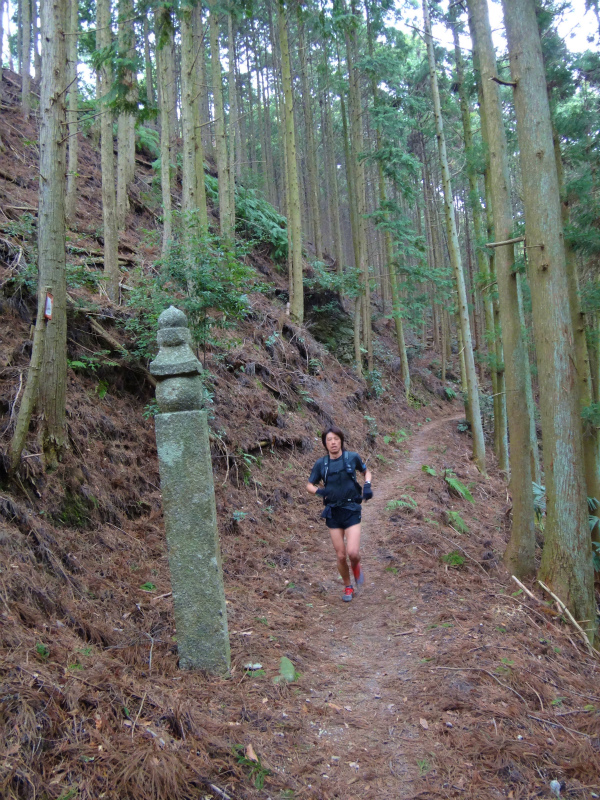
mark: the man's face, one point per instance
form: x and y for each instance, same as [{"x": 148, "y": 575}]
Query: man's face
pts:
[{"x": 333, "y": 443}]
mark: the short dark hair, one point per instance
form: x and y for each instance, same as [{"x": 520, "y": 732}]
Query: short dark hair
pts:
[{"x": 332, "y": 429}]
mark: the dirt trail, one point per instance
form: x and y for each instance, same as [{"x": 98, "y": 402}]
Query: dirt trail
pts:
[{"x": 365, "y": 666}]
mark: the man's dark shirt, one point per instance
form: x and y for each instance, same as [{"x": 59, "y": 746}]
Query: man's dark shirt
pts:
[{"x": 340, "y": 485}]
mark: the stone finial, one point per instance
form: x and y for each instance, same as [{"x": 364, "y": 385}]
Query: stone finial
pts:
[{"x": 176, "y": 366}]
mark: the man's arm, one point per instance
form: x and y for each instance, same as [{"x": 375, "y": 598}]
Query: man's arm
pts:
[{"x": 311, "y": 488}]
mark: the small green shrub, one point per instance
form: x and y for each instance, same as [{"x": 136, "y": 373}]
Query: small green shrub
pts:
[
  {"x": 457, "y": 522},
  {"x": 375, "y": 383},
  {"x": 206, "y": 280},
  {"x": 429, "y": 470},
  {"x": 371, "y": 425},
  {"x": 405, "y": 502},
  {"x": 42, "y": 651},
  {"x": 396, "y": 438},
  {"x": 456, "y": 487},
  {"x": 453, "y": 559},
  {"x": 256, "y": 772},
  {"x": 91, "y": 362}
]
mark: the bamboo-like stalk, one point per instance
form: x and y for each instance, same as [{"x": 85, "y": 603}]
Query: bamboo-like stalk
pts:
[{"x": 472, "y": 388}]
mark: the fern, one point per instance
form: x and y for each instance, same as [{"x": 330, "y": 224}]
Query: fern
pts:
[
  {"x": 457, "y": 522},
  {"x": 596, "y": 556},
  {"x": 429, "y": 470},
  {"x": 456, "y": 487},
  {"x": 539, "y": 500},
  {"x": 453, "y": 559},
  {"x": 147, "y": 139},
  {"x": 405, "y": 501}
]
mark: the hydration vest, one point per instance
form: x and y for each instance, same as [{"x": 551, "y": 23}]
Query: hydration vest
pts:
[{"x": 347, "y": 466}]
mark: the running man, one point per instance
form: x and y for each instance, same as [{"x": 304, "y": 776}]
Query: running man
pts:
[{"x": 342, "y": 497}]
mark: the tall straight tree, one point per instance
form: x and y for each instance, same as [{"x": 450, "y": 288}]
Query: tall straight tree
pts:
[
  {"x": 126, "y": 120},
  {"x": 591, "y": 435},
  {"x": 500, "y": 435},
  {"x": 455, "y": 258},
  {"x": 567, "y": 555},
  {"x": 234, "y": 142},
  {"x": 148, "y": 61},
  {"x": 520, "y": 553},
  {"x": 109, "y": 199},
  {"x": 35, "y": 33},
  {"x": 26, "y": 57},
  {"x": 1, "y": 42},
  {"x": 223, "y": 167},
  {"x": 201, "y": 116},
  {"x": 47, "y": 377},
  {"x": 164, "y": 57},
  {"x": 72, "y": 120},
  {"x": 189, "y": 200},
  {"x": 294, "y": 212},
  {"x": 358, "y": 172},
  {"x": 311, "y": 150}
]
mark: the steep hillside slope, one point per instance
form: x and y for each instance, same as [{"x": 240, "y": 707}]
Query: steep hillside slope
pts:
[{"x": 435, "y": 681}]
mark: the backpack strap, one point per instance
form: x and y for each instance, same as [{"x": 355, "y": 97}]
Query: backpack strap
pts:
[
  {"x": 351, "y": 471},
  {"x": 325, "y": 468},
  {"x": 347, "y": 465}
]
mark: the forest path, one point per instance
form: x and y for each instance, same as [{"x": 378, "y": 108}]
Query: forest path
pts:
[{"x": 365, "y": 664}]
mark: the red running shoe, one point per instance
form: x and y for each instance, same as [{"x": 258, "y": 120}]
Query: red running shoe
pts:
[
  {"x": 348, "y": 594},
  {"x": 359, "y": 575}
]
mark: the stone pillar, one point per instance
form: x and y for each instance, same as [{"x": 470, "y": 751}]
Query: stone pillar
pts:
[{"x": 189, "y": 501}]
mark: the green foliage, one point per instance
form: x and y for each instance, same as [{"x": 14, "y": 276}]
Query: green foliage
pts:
[
  {"x": 457, "y": 522},
  {"x": 591, "y": 415},
  {"x": 84, "y": 276},
  {"x": 287, "y": 671},
  {"x": 147, "y": 587},
  {"x": 205, "y": 279},
  {"x": 453, "y": 559},
  {"x": 348, "y": 283},
  {"x": 405, "y": 502},
  {"x": 539, "y": 501},
  {"x": 102, "y": 389},
  {"x": 247, "y": 461},
  {"x": 148, "y": 140},
  {"x": 257, "y": 219},
  {"x": 397, "y": 438},
  {"x": 371, "y": 425},
  {"x": 429, "y": 470},
  {"x": 150, "y": 410},
  {"x": 424, "y": 766},
  {"x": 456, "y": 487},
  {"x": 596, "y": 556},
  {"x": 449, "y": 393},
  {"x": 42, "y": 651},
  {"x": 375, "y": 383},
  {"x": 414, "y": 401},
  {"x": 256, "y": 771},
  {"x": 91, "y": 362}
]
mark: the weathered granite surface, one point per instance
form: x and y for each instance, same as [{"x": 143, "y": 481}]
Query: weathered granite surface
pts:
[{"x": 189, "y": 501}]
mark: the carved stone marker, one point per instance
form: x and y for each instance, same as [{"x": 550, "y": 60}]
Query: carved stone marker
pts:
[{"x": 189, "y": 501}]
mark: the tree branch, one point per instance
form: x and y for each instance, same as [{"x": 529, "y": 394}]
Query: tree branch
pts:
[{"x": 503, "y": 83}]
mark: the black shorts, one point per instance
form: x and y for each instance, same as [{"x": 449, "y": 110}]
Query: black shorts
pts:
[{"x": 343, "y": 518}]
